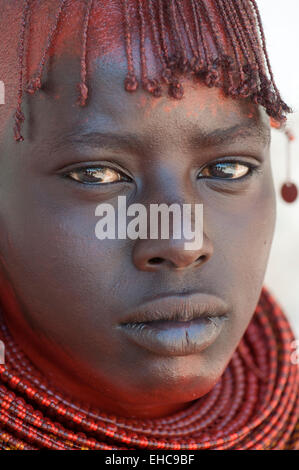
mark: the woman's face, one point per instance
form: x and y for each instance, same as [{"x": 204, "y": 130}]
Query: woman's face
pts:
[{"x": 66, "y": 292}]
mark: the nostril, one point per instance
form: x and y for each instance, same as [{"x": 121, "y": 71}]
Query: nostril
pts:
[
  {"x": 201, "y": 258},
  {"x": 156, "y": 260}
]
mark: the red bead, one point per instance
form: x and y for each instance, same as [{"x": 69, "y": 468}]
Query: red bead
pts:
[{"x": 289, "y": 192}]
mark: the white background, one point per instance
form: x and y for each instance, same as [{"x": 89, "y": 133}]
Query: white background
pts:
[{"x": 281, "y": 25}]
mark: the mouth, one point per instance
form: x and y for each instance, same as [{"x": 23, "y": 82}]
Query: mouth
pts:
[{"x": 176, "y": 325}]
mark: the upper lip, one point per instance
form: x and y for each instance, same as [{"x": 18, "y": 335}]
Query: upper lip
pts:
[{"x": 177, "y": 308}]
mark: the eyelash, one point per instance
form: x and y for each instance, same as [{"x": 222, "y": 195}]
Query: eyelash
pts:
[
  {"x": 125, "y": 178},
  {"x": 253, "y": 169}
]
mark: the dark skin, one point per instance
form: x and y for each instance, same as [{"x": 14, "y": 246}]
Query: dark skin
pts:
[{"x": 65, "y": 292}]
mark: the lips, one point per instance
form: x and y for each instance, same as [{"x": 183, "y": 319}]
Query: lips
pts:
[{"x": 176, "y": 325}]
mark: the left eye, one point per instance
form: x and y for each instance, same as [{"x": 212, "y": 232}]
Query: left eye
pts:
[
  {"x": 225, "y": 170},
  {"x": 97, "y": 175}
]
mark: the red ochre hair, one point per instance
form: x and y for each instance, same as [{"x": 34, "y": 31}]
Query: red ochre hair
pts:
[{"x": 219, "y": 42}]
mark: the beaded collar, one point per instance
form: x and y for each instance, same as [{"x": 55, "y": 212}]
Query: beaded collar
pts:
[{"x": 254, "y": 405}]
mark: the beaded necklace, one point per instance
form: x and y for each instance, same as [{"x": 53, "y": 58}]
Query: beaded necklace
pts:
[{"x": 254, "y": 405}]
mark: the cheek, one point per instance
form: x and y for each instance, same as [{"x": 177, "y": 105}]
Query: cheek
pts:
[
  {"x": 60, "y": 271},
  {"x": 243, "y": 236},
  {"x": 241, "y": 228}
]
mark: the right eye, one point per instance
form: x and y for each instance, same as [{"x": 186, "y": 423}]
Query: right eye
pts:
[
  {"x": 96, "y": 175},
  {"x": 226, "y": 170}
]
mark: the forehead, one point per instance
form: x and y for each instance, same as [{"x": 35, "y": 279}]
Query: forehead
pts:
[
  {"x": 106, "y": 71},
  {"x": 110, "y": 108}
]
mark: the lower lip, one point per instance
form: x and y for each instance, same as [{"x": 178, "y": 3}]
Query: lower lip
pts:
[{"x": 175, "y": 338}]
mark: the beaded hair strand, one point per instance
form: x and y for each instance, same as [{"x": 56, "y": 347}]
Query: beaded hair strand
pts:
[
  {"x": 34, "y": 83},
  {"x": 19, "y": 115},
  {"x": 219, "y": 42},
  {"x": 82, "y": 85}
]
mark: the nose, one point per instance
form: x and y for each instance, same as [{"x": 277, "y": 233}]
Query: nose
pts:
[{"x": 155, "y": 255}]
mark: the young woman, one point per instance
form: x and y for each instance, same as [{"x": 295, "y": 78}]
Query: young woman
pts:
[{"x": 122, "y": 343}]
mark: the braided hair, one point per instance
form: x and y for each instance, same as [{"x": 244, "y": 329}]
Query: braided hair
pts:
[{"x": 219, "y": 42}]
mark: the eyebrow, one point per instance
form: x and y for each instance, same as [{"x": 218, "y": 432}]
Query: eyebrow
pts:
[
  {"x": 237, "y": 132},
  {"x": 105, "y": 139},
  {"x": 217, "y": 137}
]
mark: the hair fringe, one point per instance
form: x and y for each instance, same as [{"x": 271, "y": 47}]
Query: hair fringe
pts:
[{"x": 238, "y": 62}]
